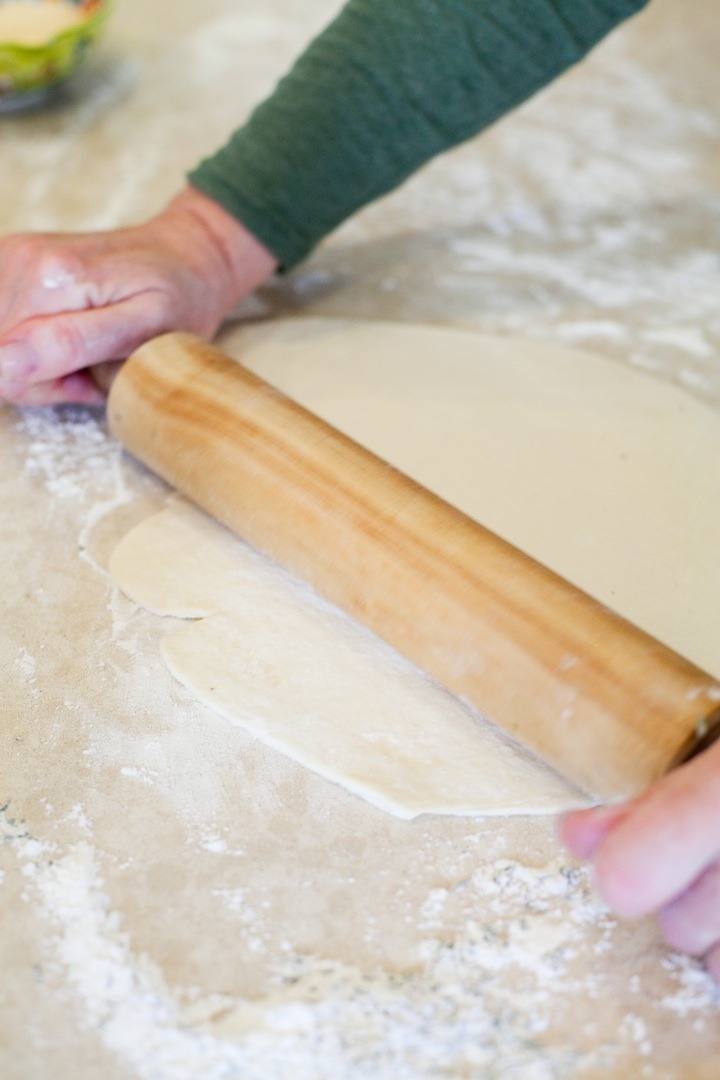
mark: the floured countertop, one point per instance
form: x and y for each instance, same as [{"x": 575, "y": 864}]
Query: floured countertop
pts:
[{"x": 180, "y": 902}]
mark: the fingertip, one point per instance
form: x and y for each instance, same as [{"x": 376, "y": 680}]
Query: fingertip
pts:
[
  {"x": 583, "y": 831},
  {"x": 597, "y": 835},
  {"x": 18, "y": 362},
  {"x": 573, "y": 833}
]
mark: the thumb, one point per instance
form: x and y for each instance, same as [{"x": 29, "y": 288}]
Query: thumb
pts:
[{"x": 583, "y": 831}]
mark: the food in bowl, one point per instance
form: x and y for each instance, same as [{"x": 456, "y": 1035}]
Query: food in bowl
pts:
[
  {"x": 22, "y": 23},
  {"x": 41, "y": 43}
]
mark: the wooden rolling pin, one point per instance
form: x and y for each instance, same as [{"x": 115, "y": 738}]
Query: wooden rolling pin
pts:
[{"x": 601, "y": 701}]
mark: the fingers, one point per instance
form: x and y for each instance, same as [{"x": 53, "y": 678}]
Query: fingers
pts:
[
  {"x": 661, "y": 853},
  {"x": 669, "y": 837},
  {"x": 76, "y": 389},
  {"x": 49, "y": 348},
  {"x": 649, "y": 851},
  {"x": 43, "y": 274},
  {"x": 68, "y": 302},
  {"x": 583, "y": 831},
  {"x": 692, "y": 921}
]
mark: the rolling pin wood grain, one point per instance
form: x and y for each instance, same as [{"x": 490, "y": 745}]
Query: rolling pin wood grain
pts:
[{"x": 599, "y": 700}]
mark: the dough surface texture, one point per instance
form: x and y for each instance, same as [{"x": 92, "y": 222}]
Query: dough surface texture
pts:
[
  {"x": 589, "y": 466},
  {"x": 266, "y": 653}
]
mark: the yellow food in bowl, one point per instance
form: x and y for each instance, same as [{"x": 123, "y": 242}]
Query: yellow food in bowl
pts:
[
  {"x": 23, "y": 23},
  {"x": 42, "y": 42}
]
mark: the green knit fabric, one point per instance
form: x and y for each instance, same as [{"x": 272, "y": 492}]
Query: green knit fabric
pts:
[{"x": 388, "y": 85}]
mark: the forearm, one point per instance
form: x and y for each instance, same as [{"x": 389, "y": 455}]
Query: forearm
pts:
[{"x": 386, "y": 87}]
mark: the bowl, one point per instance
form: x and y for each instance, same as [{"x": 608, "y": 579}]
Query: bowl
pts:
[{"x": 42, "y": 42}]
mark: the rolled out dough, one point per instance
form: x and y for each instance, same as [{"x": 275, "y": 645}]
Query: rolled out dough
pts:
[{"x": 599, "y": 471}]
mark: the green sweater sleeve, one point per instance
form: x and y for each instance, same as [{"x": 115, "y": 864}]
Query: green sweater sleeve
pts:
[{"x": 388, "y": 85}]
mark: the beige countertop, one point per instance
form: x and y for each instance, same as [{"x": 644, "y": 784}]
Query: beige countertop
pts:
[{"x": 181, "y": 902}]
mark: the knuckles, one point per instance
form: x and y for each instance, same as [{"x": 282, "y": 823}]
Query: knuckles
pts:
[
  {"x": 39, "y": 258},
  {"x": 20, "y": 249}
]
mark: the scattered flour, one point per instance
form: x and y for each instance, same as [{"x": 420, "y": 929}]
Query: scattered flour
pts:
[
  {"x": 26, "y": 664},
  {"x": 482, "y": 1005},
  {"x": 71, "y": 453},
  {"x": 65, "y": 449}
]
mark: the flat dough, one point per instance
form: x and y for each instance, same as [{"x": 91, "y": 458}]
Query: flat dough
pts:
[
  {"x": 306, "y": 679},
  {"x": 588, "y": 465}
]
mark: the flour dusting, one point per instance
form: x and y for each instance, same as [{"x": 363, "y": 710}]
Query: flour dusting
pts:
[
  {"x": 579, "y": 217},
  {"x": 484, "y": 1004},
  {"x": 65, "y": 449}
]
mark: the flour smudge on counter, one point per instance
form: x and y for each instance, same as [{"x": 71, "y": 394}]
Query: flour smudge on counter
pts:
[{"x": 486, "y": 1001}]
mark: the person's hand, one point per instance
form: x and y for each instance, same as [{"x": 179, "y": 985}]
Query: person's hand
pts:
[
  {"x": 71, "y": 301},
  {"x": 660, "y": 853}
]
